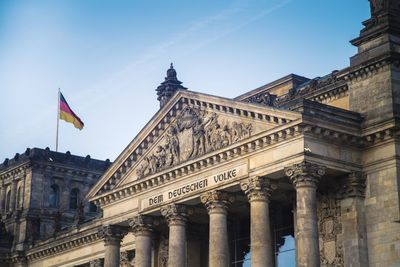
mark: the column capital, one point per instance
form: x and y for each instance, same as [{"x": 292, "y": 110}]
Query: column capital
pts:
[
  {"x": 352, "y": 186},
  {"x": 112, "y": 234},
  {"x": 257, "y": 188},
  {"x": 141, "y": 225},
  {"x": 305, "y": 174},
  {"x": 175, "y": 214},
  {"x": 217, "y": 201}
]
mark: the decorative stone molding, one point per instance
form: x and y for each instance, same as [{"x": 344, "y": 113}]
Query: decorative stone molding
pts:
[
  {"x": 257, "y": 188},
  {"x": 141, "y": 225},
  {"x": 112, "y": 234},
  {"x": 175, "y": 214},
  {"x": 305, "y": 174},
  {"x": 264, "y": 98},
  {"x": 330, "y": 232},
  {"x": 217, "y": 201},
  {"x": 163, "y": 252},
  {"x": 352, "y": 186}
]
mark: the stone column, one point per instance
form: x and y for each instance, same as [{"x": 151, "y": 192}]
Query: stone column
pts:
[
  {"x": 176, "y": 217},
  {"x": 141, "y": 227},
  {"x": 305, "y": 177},
  {"x": 258, "y": 191},
  {"x": 13, "y": 196},
  {"x": 2, "y": 197},
  {"x": 112, "y": 235},
  {"x": 351, "y": 195},
  {"x": 217, "y": 204}
]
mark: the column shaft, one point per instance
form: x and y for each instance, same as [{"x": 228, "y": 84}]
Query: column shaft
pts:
[
  {"x": 112, "y": 254},
  {"x": 217, "y": 203},
  {"x": 307, "y": 251},
  {"x": 262, "y": 251},
  {"x": 218, "y": 246},
  {"x": 177, "y": 246},
  {"x": 143, "y": 250},
  {"x": 305, "y": 177}
]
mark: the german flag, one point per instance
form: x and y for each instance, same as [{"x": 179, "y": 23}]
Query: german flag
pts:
[{"x": 68, "y": 115}]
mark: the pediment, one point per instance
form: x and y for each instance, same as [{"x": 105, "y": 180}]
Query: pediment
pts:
[{"x": 190, "y": 126}]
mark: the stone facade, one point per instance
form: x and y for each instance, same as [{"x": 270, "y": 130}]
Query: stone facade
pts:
[{"x": 212, "y": 181}]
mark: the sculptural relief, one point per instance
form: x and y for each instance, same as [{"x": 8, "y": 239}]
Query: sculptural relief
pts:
[
  {"x": 194, "y": 133},
  {"x": 330, "y": 232}
]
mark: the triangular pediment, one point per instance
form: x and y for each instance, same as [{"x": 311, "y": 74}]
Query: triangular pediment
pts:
[{"x": 190, "y": 126}]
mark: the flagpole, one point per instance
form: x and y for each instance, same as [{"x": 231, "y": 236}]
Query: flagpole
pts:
[{"x": 58, "y": 118}]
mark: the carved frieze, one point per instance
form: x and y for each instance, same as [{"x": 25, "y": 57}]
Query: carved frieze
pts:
[
  {"x": 330, "y": 232},
  {"x": 265, "y": 98},
  {"x": 194, "y": 133}
]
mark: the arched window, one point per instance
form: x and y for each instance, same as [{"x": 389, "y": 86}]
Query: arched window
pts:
[
  {"x": 8, "y": 201},
  {"x": 19, "y": 198},
  {"x": 74, "y": 199},
  {"x": 54, "y": 196}
]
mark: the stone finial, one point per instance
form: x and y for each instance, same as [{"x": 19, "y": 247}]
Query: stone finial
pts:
[
  {"x": 257, "y": 188},
  {"x": 352, "y": 186},
  {"x": 175, "y": 214},
  {"x": 141, "y": 225},
  {"x": 305, "y": 174},
  {"x": 113, "y": 233},
  {"x": 217, "y": 201},
  {"x": 169, "y": 86}
]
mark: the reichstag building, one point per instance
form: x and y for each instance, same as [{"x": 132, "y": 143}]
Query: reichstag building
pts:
[{"x": 298, "y": 172}]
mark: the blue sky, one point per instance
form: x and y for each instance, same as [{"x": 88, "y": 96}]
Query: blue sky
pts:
[{"x": 108, "y": 56}]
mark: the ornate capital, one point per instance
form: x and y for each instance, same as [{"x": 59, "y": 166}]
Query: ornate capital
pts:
[
  {"x": 141, "y": 225},
  {"x": 175, "y": 214},
  {"x": 217, "y": 201},
  {"x": 352, "y": 186},
  {"x": 257, "y": 188},
  {"x": 305, "y": 174},
  {"x": 112, "y": 234}
]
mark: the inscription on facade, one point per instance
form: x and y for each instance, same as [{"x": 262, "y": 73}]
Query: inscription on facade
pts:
[{"x": 195, "y": 186}]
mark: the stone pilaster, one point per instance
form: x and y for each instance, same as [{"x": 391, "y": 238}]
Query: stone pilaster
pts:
[
  {"x": 258, "y": 191},
  {"x": 305, "y": 177},
  {"x": 142, "y": 228},
  {"x": 112, "y": 235},
  {"x": 354, "y": 233},
  {"x": 217, "y": 204},
  {"x": 13, "y": 196},
  {"x": 2, "y": 197},
  {"x": 176, "y": 216}
]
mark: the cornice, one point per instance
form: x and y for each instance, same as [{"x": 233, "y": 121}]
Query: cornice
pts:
[{"x": 60, "y": 246}]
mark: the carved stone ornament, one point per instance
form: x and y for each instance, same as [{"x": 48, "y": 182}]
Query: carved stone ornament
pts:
[
  {"x": 163, "y": 252},
  {"x": 352, "y": 186},
  {"x": 217, "y": 201},
  {"x": 175, "y": 214},
  {"x": 127, "y": 259},
  {"x": 141, "y": 225},
  {"x": 194, "y": 133},
  {"x": 330, "y": 232},
  {"x": 112, "y": 233},
  {"x": 257, "y": 188},
  {"x": 265, "y": 98},
  {"x": 96, "y": 263},
  {"x": 305, "y": 174}
]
